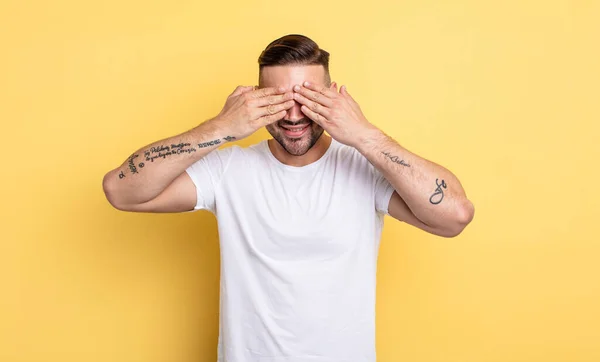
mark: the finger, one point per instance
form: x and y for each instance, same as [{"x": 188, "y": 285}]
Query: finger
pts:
[
  {"x": 275, "y": 99},
  {"x": 271, "y": 118},
  {"x": 312, "y": 95},
  {"x": 264, "y": 92},
  {"x": 241, "y": 89},
  {"x": 344, "y": 92},
  {"x": 274, "y": 108},
  {"x": 313, "y": 115},
  {"x": 321, "y": 89},
  {"x": 312, "y": 105}
]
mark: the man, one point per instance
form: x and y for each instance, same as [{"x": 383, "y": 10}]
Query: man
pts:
[{"x": 300, "y": 215}]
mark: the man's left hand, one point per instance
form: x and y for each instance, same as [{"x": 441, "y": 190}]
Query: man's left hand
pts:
[{"x": 337, "y": 112}]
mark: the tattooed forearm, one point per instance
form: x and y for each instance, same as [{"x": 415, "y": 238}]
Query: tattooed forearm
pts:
[
  {"x": 438, "y": 195},
  {"x": 396, "y": 159},
  {"x": 163, "y": 151}
]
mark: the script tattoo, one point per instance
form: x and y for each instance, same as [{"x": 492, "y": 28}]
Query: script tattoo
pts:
[
  {"x": 165, "y": 150},
  {"x": 131, "y": 164},
  {"x": 396, "y": 159},
  {"x": 438, "y": 191},
  {"x": 209, "y": 143}
]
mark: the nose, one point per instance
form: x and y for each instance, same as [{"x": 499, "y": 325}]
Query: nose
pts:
[{"x": 294, "y": 114}]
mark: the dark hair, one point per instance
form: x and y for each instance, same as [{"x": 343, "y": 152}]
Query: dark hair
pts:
[{"x": 294, "y": 49}]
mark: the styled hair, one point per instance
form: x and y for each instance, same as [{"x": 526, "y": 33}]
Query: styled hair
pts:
[{"x": 294, "y": 49}]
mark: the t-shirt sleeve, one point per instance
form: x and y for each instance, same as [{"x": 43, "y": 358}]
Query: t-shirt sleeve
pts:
[
  {"x": 383, "y": 192},
  {"x": 206, "y": 174}
]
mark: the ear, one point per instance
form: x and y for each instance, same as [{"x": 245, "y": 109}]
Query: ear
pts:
[{"x": 333, "y": 86}]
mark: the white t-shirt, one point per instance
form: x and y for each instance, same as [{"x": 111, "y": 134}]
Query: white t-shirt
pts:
[{"x": 299, "y": 252}]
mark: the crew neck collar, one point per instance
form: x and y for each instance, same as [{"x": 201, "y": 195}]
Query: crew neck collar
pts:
[{"x": 310, "y": 166}]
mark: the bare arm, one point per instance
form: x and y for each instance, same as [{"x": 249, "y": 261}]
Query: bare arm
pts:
[
  {"x": 427, "y": 195},
  {"x": 149, "y": 170},
  {"x": 153, "y": 178},
  {"x": 433, "y": 194}
]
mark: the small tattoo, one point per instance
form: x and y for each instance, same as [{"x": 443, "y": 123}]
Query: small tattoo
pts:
[
  {"x": 396, "y": 159},
  {"x": 209, "y": 143},
  {"x": 438, "y": 191},
  {"x": 229, "y": 138},
  {"x": 132, "y": 167},
  {"x": 121, "y": 175}
]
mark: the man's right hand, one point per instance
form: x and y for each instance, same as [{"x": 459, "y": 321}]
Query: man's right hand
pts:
[{"x": 248, "y": 109}]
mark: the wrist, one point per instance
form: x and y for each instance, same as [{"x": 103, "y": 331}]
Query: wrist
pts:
[
  {"x": 217, "y": 128},
  {"x": 369, "y": 139}
]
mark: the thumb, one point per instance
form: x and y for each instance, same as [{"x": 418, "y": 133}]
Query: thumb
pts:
[{"x": 344, "y": 91}]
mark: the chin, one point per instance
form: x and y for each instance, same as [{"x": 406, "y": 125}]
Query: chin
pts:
[{"x": 296, "y": 145}]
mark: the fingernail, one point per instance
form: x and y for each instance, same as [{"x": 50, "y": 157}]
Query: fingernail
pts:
[
  {"x": 296, "y": 87},
  {"x": 306, "y": 84},
  {"x": 281, "y": 89}
]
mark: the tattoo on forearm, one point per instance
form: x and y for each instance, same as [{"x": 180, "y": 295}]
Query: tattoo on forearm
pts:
[
  {"x": 132, "y": 166},
  {"x": 209, "y": 143},
  {"x": 396, "y": 159},
  {"x": 438, "y": 195},
  {"x": 163, "y": 151}
]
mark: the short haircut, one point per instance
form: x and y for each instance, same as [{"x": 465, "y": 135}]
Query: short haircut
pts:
[{"x": 294, "y": 49}]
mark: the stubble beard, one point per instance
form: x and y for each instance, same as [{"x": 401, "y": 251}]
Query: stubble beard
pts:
[{"x": 296, "y": 146}]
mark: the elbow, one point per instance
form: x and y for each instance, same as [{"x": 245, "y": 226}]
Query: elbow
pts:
[
  {"x": 108, "y": 186},
  {"x": 463, "y": 215}
]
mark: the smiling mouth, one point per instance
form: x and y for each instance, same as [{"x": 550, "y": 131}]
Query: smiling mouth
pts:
[{"x": 296, "y": 130}]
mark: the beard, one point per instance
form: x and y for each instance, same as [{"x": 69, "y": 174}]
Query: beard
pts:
[{"x": 298, "y": 145}]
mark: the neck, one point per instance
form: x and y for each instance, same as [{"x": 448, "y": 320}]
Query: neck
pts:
[{"x": 316, "y": 152}]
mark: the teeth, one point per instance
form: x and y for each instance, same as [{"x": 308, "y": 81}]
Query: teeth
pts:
[{"x": 296, "y": 128}]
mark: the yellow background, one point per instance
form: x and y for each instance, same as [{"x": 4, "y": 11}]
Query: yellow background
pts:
[{"x": 505, "y": 94}]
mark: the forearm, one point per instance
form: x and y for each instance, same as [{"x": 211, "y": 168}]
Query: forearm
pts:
[
  {"x": 149, "y": 170},
  {"x": 433, "y": 194}
]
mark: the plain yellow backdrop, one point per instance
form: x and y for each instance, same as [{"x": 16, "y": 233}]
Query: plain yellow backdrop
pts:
[{"x": 505, "y": 94}]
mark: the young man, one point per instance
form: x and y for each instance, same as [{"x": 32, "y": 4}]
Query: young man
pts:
[{"x": 300, "y": 215}]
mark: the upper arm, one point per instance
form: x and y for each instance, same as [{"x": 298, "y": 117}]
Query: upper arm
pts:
[
  {"x": 179, "y": 196},
  {"x": 399, "y": 210}
]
